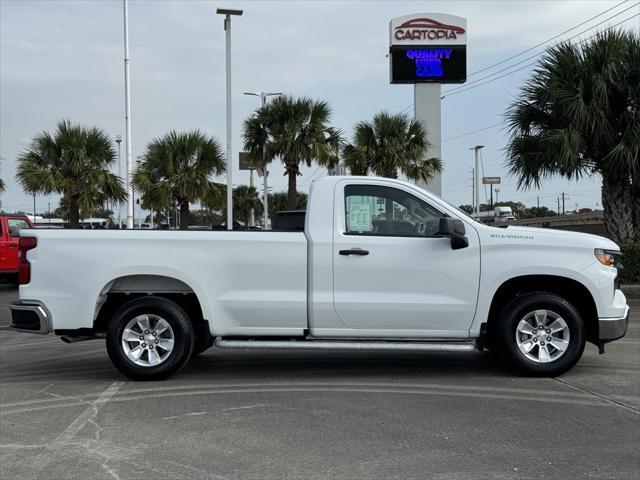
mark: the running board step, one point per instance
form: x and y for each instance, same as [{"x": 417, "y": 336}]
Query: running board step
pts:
[{"x": 347, "y": 345}]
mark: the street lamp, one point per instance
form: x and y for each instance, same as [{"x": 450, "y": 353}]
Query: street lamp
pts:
[
  {"x": 265, "y": 202},
  {"x": 477, "y": 149},
  {"x": 227, "y": 28},
  {"x": 127, "y": 116}
]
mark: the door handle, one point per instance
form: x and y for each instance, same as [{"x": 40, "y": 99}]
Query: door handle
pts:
[{"x": 354, "y": 251}]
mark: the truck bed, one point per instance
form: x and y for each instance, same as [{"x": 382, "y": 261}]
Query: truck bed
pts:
[{"x": 249, "y": 281}]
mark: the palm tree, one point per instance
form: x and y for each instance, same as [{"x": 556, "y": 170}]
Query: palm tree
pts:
[
  {"x": 296, "y": 130},
  {"x": 75, "y": 162},
  {"x": 2, "y": 187},
  {"x": 578, "y": 115},
  {"x": 389, "y": 144},
  {"x": 245, "y": 199},
  {"x": 177, "y": 169}
]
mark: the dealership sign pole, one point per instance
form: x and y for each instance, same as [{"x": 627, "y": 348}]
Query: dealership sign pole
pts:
[{"x": 427, "y": 50}]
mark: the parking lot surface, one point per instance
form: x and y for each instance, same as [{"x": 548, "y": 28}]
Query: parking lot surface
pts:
[{"x": 66, "y": 413}]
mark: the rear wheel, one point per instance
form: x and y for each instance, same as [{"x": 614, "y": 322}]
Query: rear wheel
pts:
[
  {"x": 540, "y": 334},
  {"x": 150, "y": 338}
]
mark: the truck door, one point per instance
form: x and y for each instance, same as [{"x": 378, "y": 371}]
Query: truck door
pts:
[{"x": 393, "y": 276}]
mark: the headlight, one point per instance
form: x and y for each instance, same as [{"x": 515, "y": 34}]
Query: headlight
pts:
[{"x": 610, "y": 258}]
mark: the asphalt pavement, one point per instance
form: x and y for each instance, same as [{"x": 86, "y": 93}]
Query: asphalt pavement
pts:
[{"x": 66, "y": 413}]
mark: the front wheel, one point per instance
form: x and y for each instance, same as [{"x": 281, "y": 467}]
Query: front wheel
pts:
[
  {"x": 150, "y": 338},
  {"x": 540, "y": 334}
]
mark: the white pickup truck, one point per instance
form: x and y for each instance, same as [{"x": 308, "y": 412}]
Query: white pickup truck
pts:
[{"x": 381, "y": 265}]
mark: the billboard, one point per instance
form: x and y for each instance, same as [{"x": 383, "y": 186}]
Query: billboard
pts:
[{"x": 428, "y": 48}]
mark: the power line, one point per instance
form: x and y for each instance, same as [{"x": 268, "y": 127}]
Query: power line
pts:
[
  {"x": 531, "y": 63},
  {"x": 469, "y": 84},
  {"x": 472, "y": 132},
  {"x": 548, "y": 40},
  {"x": 474, "y": 83}
]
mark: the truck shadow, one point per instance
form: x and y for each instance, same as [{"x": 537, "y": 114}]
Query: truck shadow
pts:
[{"x": 296, "y": 365}]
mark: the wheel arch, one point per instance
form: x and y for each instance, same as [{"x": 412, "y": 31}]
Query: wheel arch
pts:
[
  {"x": 571, "y": 290},
  {"x": 125, "y": 288}
]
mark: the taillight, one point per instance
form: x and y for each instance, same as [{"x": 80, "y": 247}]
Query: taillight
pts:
[{"x": 24, "y": 267}]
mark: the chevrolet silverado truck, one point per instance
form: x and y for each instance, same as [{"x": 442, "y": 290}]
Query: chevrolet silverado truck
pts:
[{"x": 381, "y": 265}]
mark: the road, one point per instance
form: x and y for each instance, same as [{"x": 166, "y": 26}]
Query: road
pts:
[{"x": 66, "y": 413}]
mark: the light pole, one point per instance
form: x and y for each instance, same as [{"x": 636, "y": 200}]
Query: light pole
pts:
[
  {"x": 127, "y": 115},
  {"x": 118, "y": 142},
  {"x": 476, "y": 183},
  {"x": 227, "y": 28},
  {"x": 265, "y": 202}
]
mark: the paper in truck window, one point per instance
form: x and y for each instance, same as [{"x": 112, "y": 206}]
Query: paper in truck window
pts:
[{"x": 359, "y": 217}]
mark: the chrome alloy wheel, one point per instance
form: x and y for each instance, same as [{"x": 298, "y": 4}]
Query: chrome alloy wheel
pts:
[
  {"x": 542, "y": 336},
  {"x": 147, "y": 340}
]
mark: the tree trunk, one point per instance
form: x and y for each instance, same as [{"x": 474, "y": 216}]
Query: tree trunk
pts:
[
  {"x": 618, "y": 207},
  {"x": 292, "y": 193},
  {"x": 74, "y": 212},
  {"x": 184, "y": 215}
]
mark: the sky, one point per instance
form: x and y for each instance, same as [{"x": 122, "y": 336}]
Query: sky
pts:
[{"x": 64, "y": 59}]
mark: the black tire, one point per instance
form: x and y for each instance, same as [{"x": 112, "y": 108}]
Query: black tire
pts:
[
  {"x": 517, "y": 310},
  {"x": 180, "y": 324}
]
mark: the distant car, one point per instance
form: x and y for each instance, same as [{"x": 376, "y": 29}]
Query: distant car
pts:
[
  {"x": 10, "y": 226},
  {"x": 146, "y": 226}
]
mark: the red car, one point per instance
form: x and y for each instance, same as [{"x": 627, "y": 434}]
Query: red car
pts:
[{"x": 10, "y": 226}]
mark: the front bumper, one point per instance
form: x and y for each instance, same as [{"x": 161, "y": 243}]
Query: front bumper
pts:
[
  {"x": 611, "y": 329},
  {"x": 30, "y": 316}
]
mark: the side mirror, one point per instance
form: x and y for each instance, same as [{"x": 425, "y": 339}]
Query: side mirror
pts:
[{"x": 454, "y": 229}]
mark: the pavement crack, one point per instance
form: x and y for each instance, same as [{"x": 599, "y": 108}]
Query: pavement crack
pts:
[{"x": 597, "y": 395}]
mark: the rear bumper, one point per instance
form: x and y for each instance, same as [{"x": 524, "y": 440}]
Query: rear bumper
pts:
[
  {"x": 30, "y": 316},
  {"x": 613, "y": 328}
]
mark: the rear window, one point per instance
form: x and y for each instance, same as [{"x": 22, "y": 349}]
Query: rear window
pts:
[
  {"x": 289, "y": 221},
  {"x": 15, "y": 225}
]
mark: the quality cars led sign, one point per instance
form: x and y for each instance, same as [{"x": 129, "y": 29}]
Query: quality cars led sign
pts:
[{"x": 428, "y": 47}]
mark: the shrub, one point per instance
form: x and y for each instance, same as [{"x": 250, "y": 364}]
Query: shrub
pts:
[{"x": 631, "y": 263}]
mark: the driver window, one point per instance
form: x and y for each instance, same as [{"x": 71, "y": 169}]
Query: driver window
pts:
[
  {"x": 387, "y": 211},
  {"x": 15, "y": 225}
]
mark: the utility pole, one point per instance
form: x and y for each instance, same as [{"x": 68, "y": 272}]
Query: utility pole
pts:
[
  {"x": 558, "y": 205},
  {"x": 49, "y": 208},
  {"x": 491, "y": 197},
  {"x": 227, "y": 28},
  {"x": 538, "y": 201},
  {"x": 127, "y": 115},
  {"x": 476, "y": 182},
  {"x": 563, "y": 203},
  {"x": 34, "y": 207}
]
